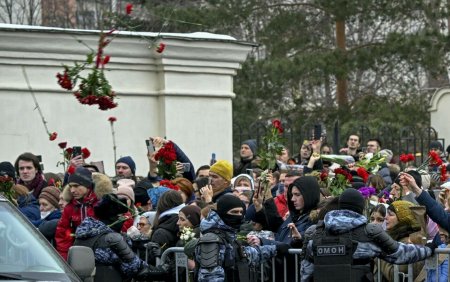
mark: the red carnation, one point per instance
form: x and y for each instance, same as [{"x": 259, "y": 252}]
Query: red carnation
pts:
[
  {"x": 362, "y": 172},
  {"x": 52, "y": 136},
  {"x": 443, "y": 169},
  {"x": 169, "y": 184},
  {"x": 323, "y": 175},
  {"x": 85, "y": 153},
  {"x": 106, "y": 60},
  {"x": 277, "y": 124},
  {"x": 436, "y": 160},
  {"x": 62, "y": 145},
  {"x": 64, "y": 80},
  {"x": 71, "y": 169},
  {"x": 129, "y": 8},
  {"x": 112, "y": 119},
  {"x": 161, "y": 47}
]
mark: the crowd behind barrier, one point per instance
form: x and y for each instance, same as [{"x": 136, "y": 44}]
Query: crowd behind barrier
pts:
[{"x": 181, "y": 262}]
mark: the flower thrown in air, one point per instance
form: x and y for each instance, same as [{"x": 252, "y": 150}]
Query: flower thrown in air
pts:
[
  {"x": 52, "y": 136},
  {"x": 129, "y": 8},
  {"x": 62, "y": 145},
  {"x": 112, "y": 119},
  {"x": 160, "y": 48}
]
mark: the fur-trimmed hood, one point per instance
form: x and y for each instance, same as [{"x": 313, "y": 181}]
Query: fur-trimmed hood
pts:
[{"x": 102, "y": 186}]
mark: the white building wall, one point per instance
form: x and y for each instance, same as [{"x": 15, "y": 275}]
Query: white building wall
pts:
[
  {"x": 440, "y": 114},
  {"x": 184, "y": 93}
]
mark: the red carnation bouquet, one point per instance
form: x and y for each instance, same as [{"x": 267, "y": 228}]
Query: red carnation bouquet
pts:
[
  {"x": 340, "y": 181},
  {"x": 167, "y": 161}
]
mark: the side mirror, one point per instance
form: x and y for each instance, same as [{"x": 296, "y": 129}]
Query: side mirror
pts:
[{"x": 82, "y": 260}]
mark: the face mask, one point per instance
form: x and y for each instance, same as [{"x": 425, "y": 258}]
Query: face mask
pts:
[
  {"x": 45, "y": 214},
  {"x": 234, "y": 221}
]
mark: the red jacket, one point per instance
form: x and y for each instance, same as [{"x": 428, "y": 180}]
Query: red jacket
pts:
[{"x": 74, "y": 213}]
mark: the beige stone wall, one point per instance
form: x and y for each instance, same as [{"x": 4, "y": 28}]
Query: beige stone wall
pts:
[
  {"x": 440, "y": 114},
  {"x": 184, "y": 94}
]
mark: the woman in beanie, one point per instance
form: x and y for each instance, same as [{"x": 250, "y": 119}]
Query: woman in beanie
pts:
[
  {"x": 400, "y": 224},
  {"x": 50, "y": 212},
  {"x": 188, "y": 218}
]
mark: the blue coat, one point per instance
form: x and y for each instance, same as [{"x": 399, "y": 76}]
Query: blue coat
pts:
[
  {"x": 434, "y": 210},
  {"x": 29, "y": 206}
]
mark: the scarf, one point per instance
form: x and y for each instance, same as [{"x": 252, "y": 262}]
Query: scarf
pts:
[{"x": 36, "y": 184}]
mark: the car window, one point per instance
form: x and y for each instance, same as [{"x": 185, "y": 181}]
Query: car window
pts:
[{"x": 23, "y": 250}]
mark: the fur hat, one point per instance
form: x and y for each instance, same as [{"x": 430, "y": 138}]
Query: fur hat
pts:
[
  {"x": 103, "y": 184},
  {"x": 252, "y": 144},
  {"x": 81, "y": 176},
  {"x": 6, "y": 168},
  {"x": 126, "y": 191},
  {"x": 128, "y": 161},
  {"x": 223, "y": 168},
  {"x": 192, "y": 214},
  {"x": 403, "y": 212},
  {"x": 351, "y": 199},
  {"x": 51, "y": 194}
]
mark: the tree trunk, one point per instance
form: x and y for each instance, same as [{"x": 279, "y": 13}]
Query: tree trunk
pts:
[{"x": 341, "y": 87}]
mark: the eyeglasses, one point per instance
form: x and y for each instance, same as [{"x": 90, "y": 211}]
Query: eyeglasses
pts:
[{"x": 140, "y": 224}]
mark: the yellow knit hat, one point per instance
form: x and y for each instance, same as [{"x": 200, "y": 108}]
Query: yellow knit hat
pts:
[
  {"x": 404, "y": 213},
  {"x": 223, "y": 168}
]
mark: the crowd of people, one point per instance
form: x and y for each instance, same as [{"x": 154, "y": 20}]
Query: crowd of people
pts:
[{"x": 233, "y": 219}]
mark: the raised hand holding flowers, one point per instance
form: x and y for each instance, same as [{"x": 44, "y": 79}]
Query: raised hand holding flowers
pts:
[{"x": 167, "y": 160}]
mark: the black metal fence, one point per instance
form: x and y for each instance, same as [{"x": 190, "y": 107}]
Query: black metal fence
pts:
[{"x": 414, "y": 140}]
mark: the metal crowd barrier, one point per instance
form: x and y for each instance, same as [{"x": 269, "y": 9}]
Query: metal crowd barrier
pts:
[{"x": 430, "y": 263}]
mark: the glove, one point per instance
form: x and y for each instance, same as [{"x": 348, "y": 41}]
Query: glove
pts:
[
  {"x": 432, "y": 245},
  {"x": 282, "y": 249},
  {"x": 153, "y": 249}
]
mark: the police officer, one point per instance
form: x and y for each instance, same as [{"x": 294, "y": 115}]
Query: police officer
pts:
[{"x": 344, "y": 244}]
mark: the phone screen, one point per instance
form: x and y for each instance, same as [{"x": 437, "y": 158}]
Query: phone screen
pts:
[
  {"x": 150, "y": 147},
  {"x": 76, "y": 151},
  {"x": 317, "y": 131}
]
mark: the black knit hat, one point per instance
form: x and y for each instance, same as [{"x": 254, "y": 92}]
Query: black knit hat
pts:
[
  {"x": 141, "y": 195},
  {"x": 82, "y": 176},
  {"x": 351, "y": 199},
  {"x": 110, "y": 206},
  {"x": 192, "y": 214},
  {"x": 415, "y": 174},
  {"x": 228, "y": 202},
  {"x": 6, "y": 168}
]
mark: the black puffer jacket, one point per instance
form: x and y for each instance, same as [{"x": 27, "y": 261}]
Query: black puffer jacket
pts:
[{"x": 165, "y": 234}]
